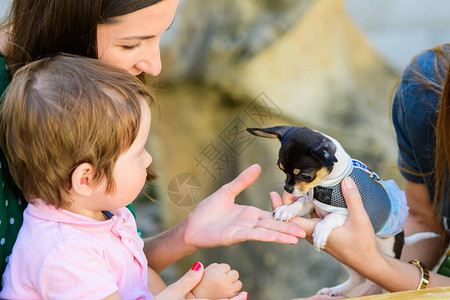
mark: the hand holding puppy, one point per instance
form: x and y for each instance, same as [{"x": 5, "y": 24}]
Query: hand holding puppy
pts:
[
  {"x": 357, "y": 232},
  {"x": 315, "y": 165}
]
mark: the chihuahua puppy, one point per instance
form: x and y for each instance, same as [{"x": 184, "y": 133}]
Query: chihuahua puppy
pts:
[{"x": 315, "y": 165}]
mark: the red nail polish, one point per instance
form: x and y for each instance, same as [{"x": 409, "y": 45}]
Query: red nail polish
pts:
[{"x": 197, "y": 266}]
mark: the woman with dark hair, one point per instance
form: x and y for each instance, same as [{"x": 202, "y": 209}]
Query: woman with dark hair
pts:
[
  {"x": 421, "y": 117},
  {"x": 125, "y": 34}
]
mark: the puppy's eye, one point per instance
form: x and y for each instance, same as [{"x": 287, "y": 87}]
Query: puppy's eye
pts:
[{"x": 305, "y": 177}]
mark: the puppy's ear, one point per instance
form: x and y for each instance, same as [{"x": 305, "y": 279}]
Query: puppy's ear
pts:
[
  {"x": 324, "y": 153},
  {"x": 271, "y": 132}
]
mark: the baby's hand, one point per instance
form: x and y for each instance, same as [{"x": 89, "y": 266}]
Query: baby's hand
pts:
[{"x": 219, "y": 281}]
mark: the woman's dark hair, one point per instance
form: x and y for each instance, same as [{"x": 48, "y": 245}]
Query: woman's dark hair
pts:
[
  {"x": 42, "y": 28},
  {"x": 442, "y": 161},
  {"x": 441, "y": 85}
]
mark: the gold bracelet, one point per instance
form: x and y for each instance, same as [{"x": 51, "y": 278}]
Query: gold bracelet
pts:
[{"x": 425, "y": 274}]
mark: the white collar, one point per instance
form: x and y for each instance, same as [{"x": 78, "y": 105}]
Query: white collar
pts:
[{"x": 341, "y": 169}]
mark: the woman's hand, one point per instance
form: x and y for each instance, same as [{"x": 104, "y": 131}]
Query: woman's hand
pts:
[
  {"x": 353, "y": 242},
  {"x": 218, "y": 221}
]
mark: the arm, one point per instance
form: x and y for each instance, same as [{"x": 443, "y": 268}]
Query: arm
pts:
[
  {"x": 354, "y": 244},
  {"x": 218, "y": 221},
  {"x": 423, "y": 218},
  {"x": 167, "y": 248}
]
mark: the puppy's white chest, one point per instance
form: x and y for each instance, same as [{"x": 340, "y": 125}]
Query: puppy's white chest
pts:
[{"x": 321, "y": 212}]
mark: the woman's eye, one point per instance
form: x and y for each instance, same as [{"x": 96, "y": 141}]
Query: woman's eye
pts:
[{"x": 130, "y": 47}]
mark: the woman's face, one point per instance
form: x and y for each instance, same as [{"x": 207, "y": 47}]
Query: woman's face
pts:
[{"x": 132, "y": 41}]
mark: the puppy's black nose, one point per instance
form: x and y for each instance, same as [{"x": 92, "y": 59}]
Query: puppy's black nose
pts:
[{"x": 288, "y": 189}]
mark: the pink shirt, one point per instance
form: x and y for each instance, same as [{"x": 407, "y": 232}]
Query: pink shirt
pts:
[{"x": 62, "y": 255}]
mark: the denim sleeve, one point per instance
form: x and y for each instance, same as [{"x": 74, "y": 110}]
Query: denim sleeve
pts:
[
  {"x": 413, "y": 114},
  {"x": 406, "y": 159}
]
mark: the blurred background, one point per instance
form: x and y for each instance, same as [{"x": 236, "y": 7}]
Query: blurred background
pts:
[
  {"x": 331, "y": 65},
  {"x": 227, "y": 65}
]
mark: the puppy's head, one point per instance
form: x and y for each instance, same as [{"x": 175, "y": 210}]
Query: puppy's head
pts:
[{"x": 306, "y": 156}]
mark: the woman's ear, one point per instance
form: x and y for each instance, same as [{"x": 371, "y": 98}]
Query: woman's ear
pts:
[{"x": 82, "y": 179}]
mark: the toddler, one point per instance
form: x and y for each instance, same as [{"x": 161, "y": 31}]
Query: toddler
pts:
[{"x": 74, "y": 131}]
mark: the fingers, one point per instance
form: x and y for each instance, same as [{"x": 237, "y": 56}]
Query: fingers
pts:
[
  {"x": 353, "y": 199},
  {"x": 245, "y": 179},
  {"x": 307, "y": 224},
  {"x": 288, "y": 198},
  {"x": 211, "y": 266},
  {"x": 236, "y": 285},
  {"x": 180, "y": 288},
  {"x": 219, "y": 267},
  {"x": 228, "y": 278},
  {"x": 265, "y": 235},
  {"x": 233, "y": 275},
  {"x": 189, "y": 281},
  {"x": 276, "y": 200},
  {"x": 240, "y": 296},
  {"x": 289, "y": 228},
  {"x": 266, "y": 229},
  {"x": 224, "y": 267}
]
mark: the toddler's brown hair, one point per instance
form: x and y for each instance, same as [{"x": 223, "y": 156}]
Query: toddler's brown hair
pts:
[{"x": 65, "y": 110}]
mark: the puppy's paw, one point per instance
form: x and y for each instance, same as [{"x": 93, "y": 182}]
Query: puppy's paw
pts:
[
  {"x": 332, "y": 292},
  {"x": 320, "y": 235},
  {"x": 284, "y": 213}
]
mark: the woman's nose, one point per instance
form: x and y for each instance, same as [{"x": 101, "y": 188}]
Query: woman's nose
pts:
[{"x": 150, "y": 62}]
